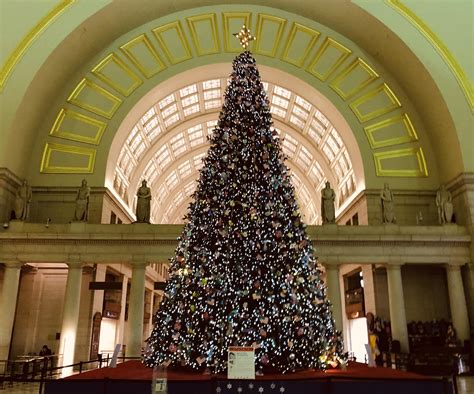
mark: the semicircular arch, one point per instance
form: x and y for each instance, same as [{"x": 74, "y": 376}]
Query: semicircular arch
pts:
[{"x": 382, "y": 122}]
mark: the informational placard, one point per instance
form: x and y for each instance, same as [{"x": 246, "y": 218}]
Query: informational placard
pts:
[
  {"x": 370, "y": 356},
  {"x": 159, "y": 383},
  {"x": 240, "y": 362}
]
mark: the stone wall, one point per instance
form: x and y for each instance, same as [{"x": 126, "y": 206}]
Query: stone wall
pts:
[
  {"x": 58, "y": 204},
  {"x": 425, "y": 292},
  {"x": 9, "y": 184},
  {"x": 408, "y": 205},
  {"x": 39, "y": 311},
  {"x": 359, "y": 208},
  {"x": 112, "y": 210},
  {"x": 411, "y": 208}
]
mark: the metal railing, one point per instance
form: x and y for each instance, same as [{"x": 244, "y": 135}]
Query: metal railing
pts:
[{"x": 38, "y": 369}]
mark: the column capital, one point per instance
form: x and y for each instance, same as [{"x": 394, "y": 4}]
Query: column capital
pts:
[
  {"x": 74, "y": 264},
  {"x": 13, "y": 263},
  {"x": 394, "y": 266},
  {"x": 332, "y": 266},
  {"x": 138, "y": 261},
  {"x": 453, "y": 266}
]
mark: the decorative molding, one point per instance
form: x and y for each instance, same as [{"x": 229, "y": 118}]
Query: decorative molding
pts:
[
  {"x": 297, "y": 44},
  {"x": 160, "y": 32},
  {"x": 365, "y": 116},
  {"x": 261, "y": 20},
  {"x": 244, "y": 18},
  {"x": 105, "y": 94},
  {"x": 417, "y": 152},
  {"x": 313, "y": 36},
  {"x": 193, "y": 21},
  {"x": 356, "y": 64},
  {"x": 70, "y": 135},
  {"x": 113, "y": 59},
  {"x": 439, "y": 46},
  {"x": 410, "y": 133},
  {"x": 464, "y": 182},
  {"x": 129, "y": 48},
  {"x": 47, "y": 167},
  {"x": 10, "y": 178},
  {"x": 26, "y": 42},
  {"x": 327, "y": 44}
]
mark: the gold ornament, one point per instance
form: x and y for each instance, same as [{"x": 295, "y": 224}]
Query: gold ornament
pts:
[{"x": 244, "y": 37}]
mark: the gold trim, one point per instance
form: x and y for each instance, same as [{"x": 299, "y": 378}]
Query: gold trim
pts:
[
  {"x": 371, "y": 76},
  {"x": 158, "y": 31},
  {"x": 73, "y": 98},
  {"x": 328, "y": 42},
  {"x": 439, "y": 46},
  {"x": 226, "y": 17},
  {"x": 49, "y": 148},
  {"x": 291, "y": 36},
  {"x": 422, "y": 170},
  {"x": 262, "y": 18},
  {"x": 215, "y": 34},
  {"x": 127, "y": 50},
  {"x": 69, "y": 135},
  {"x": 381, "y": 111},
  {"x": 26, "y": 42},
  {"x": 113, "y": 58},
  {"x": 411, "y": 135}
]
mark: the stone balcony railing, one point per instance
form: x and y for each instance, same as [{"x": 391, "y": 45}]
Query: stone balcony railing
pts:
[{"x": 108, "y": 243}]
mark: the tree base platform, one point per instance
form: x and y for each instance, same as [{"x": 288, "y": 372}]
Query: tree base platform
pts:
[{"x": 133, "y": 377}]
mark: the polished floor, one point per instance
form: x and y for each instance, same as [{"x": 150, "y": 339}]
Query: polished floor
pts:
[{"x": 465, "y": 385}]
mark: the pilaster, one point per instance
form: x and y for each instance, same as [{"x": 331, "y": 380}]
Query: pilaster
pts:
[
  {"x": 396, "y": 301},
  {"x": 8, "y": 300},
  {"x": 457, "y": 302},
  {"x": 334, "y": 293},
  {"x": 136, "y": 308},
  {"x": 70, "y": 319}
]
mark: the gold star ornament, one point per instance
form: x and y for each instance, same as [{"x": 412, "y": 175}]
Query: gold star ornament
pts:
[{"x": 244, "y": 37}]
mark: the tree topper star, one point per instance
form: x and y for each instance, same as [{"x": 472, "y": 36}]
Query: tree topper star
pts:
[{"x": 244, "y": 37}]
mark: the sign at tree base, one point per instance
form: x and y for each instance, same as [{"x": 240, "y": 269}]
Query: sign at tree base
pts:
[{"x": 241, "y": 362}]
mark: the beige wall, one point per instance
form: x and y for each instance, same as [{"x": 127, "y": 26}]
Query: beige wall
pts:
[
  {"x": 425, "y": 292},
  {"x": 408, "y": 203},
  {"x": 39, "y": 311},
  {"x": 9, "y": 183},
  {"x": 359, "y": 207},
  {"x": 424, "y": 289}
]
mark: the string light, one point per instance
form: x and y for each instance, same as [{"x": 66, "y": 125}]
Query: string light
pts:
[{"x": 244, "y": 273}]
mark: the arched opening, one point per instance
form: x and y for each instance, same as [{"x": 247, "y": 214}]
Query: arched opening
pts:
[{"x": 164, "y": 138}]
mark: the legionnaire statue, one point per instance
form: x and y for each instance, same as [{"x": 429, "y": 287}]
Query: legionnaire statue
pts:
[{"x": 143, "y": 203}]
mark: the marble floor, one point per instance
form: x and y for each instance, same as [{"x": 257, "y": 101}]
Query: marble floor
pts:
[{"x": 465, "y": 385}]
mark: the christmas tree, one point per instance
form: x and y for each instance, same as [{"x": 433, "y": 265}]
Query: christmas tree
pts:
[{"x": 244, "y": 272}]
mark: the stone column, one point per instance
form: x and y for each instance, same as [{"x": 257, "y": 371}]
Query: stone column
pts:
[
  {"x": 8, "y": 300},
  {"x": 457, "y": 302},
  {"x": 152, "y": 301},
  {"x": 398, "y": 319},
  {"x": 120, "y": 333},
  {"x": 334, "y": 293},
  {"x": 67, "y": 341},
  {"x": 136, "y": 306}
]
